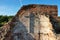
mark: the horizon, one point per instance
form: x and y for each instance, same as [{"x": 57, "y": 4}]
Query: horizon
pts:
[{"x": 11, "y": 7}]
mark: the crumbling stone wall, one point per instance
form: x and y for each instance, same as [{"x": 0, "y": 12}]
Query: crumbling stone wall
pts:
[
  {"x": 50, "y": 10},
  {"x": 24, "y": 23}
]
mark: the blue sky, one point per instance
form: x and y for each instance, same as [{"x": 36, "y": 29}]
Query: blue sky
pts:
[{"x": 10, "y": 7}]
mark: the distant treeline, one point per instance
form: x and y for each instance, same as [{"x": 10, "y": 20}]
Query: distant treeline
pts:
[
  {"x": 59, "y": 17},
  {"x": 4, "y": 19},
  {"x": 59, "y": 21}
]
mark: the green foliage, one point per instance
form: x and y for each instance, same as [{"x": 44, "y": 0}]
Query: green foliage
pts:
[
  {"x": 4, "y": 19},
  {"x": 59, "y": 17},
  {"x": 59, "y": 22}
]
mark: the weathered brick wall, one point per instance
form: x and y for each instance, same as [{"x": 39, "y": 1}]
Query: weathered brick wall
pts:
[
  {"x": 25, "y": 18},
  {"x": 50, "y": 10}
]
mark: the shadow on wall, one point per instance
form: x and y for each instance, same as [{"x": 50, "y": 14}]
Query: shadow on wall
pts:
[
  {"x": 31, "y": 18},
  {"x": 21, "y": 33},
  {"x": 55, "y": 25}
]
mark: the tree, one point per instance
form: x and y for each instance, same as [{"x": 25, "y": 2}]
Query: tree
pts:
[{"x": 4, "y": 19}]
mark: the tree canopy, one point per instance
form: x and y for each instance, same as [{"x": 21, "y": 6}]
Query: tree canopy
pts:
[{"x": 4, "y": 19}]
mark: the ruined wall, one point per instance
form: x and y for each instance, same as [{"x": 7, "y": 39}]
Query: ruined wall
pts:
[
  {"x": 26, "y": 23},
  {"x": 50, "y": 10}
]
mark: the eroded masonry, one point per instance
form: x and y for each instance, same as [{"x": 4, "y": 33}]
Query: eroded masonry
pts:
[{"x": 32, "y": 22}]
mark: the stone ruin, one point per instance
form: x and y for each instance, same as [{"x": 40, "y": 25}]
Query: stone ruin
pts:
[{"x": 32, "y": 22}]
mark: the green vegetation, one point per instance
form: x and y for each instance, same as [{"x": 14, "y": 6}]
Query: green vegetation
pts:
[
  {"x": 59, "y": 22},
  {"x": 59, "y": 17},
  {"x": 4, "y": 19}
]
